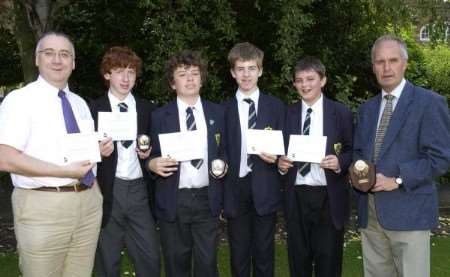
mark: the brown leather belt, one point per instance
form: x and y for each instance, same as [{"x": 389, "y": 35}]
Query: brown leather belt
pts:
[{"x": 76, "y": 187}]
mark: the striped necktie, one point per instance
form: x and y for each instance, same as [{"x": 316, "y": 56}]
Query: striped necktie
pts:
[
  {"x": 123, "y": 107},
  {"x": 191, "y": 126},
  {"x": 304, "y": 167},
  {"x": 384, "y": 123},
  {"x": 251, "y": 124},
  {"x": 72, "y": 127}
]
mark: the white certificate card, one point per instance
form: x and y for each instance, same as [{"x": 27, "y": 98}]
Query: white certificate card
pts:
[
  {"x": 307, "y": 148},
  {"x": 181, "y": 146},
  {"x": 117, "y": 125},
  {"x": 80, "y": 147},
  {"x": 267, "y": 141}
]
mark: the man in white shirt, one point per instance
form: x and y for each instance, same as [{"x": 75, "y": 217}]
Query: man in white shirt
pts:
[{"x": 56, "y": 206}]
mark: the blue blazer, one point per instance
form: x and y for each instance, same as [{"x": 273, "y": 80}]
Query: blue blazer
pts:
[
  {"x": 265, "y": 178},
  {"x": 337, "y": 126},
  {"x": 166, "y": 120},
  {"x": 416, "y": 147}
]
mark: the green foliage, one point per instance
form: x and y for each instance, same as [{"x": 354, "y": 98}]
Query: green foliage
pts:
[
  {"x": 10, "y": 67},
  {"x": 437, "y": 68}
]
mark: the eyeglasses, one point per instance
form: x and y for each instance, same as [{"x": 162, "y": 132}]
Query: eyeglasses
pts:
[{"x": 50, "y": 54}]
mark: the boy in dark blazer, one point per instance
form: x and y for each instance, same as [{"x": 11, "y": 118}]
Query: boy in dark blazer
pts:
[
  {"x": 124, "y": 182},
  {"x": 317, "y": 200},
  {"x": 188, "y": 198},
  {"x": 252, "y": 188}
]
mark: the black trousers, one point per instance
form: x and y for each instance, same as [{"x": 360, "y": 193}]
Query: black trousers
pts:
[
  {"x": 192, "y": 238},
  {"x": 314, "y": 244},
  {"x": 131, "y": 225},
  {"x": 251, "y": 237}
]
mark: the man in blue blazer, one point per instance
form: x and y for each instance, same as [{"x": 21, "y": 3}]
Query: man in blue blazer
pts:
[
  {"x": 317, "y": 202},
  {"x": 252, "y": 188},
  {"x": 405, "y": 131},
  {"x": 188, "y": 200}
]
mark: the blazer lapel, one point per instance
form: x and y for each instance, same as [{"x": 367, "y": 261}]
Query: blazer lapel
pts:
[
  {"x": 172, "y": 121},
  {"x": 210, "y": 121},
  {"x": 398, "y": 117},
  {"x": 140, "y": 115},
  {"x": 329, "y": 123},
  {"x": 235, "y": 127},
  {"x": 372, "y": 122},
  {"x": 263, "y": 113}
]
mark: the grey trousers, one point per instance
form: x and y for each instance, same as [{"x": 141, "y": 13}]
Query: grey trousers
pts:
[{"x": 131, "y": 225}]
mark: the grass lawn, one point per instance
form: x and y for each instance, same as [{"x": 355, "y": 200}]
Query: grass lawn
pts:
[{"x": 352, "y": 267}]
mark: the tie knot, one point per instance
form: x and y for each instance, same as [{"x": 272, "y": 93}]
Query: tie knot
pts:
[
  {"x": 189, "y": 110},
  {"x": 309, "y": 110},
  {"x": 389, "y": 97},
  {"x": 61, "y": 93},
  {"x": 249, "y": 101}
]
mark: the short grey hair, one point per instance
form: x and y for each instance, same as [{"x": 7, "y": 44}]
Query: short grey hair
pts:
[
  {"x": 54, "y": 33},
  {"x": 399, "y": 41}
]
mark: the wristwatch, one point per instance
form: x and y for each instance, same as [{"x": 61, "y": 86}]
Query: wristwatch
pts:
[{"x": 399, "y": 181}]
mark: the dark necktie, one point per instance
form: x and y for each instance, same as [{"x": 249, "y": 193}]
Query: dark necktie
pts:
[
  {"x": 384, "y": 123},
  {"x": 123, "y": 109},
  {"x": 304, "y": 167},
  {"x": 72, "y": 127},
  {"x": 190, "y": 124},
  {"x": 251, "y": 124}
]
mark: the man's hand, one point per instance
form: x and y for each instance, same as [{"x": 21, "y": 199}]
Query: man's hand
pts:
[
  {"x": 106, "y": 147},
  {"x": 284, "y": 164},
  {"x": 77, "y": 170},
  {"x": 268, "y": 158},
  {"x": 331, "y": 162},
  {"x": 384, "y": 183},
  {"x": 143, "y": 154},
  {"x": 163, "y": 166}
]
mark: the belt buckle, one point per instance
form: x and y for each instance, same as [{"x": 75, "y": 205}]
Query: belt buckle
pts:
[{"x": 77, "y": 187}]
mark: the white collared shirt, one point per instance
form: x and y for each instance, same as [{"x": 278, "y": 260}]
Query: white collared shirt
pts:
[
  {"x": 191, "y": 177},
  {"x": 397, "y": 92},
  {"x": 128, "y": 167},
  {"x": 315, "y": 177},
  {"x": 243, "y": 108},
  {"x": 32, "y": 121}
]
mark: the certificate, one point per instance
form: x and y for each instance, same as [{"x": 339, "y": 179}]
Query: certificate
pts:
[
  {"x": 182, "y": 146},
  {"x": 78, "y": 147},
  {"x": 117, "y": 125},
  {"x": 307, "y": 148},
  {"x": 267, "y": 141}
]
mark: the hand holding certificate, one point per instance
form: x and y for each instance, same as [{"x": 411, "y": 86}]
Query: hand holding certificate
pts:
[
  {"x": 307, "y": 148},
  {"x": 267, "y": 141},
  {"x": 181, "y": 146},
  {"x": 118, "y": 126},
  {"x": 80, "y": 147}
]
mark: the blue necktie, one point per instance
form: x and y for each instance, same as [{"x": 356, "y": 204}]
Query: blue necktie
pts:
[
  {"x": 191, "y": 126},
  {"x": 123, "y": 109},
  {"x": 72, "y": 127},
  {"x": 305, "y": 168},
  {"x": 251, "y": 124}
]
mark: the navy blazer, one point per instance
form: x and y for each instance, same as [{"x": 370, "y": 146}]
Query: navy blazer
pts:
[
  {"x": 265, "y": 178},
  {"x": 166, "y": 120},
  {"x": 106, "y": 169},
  {"x": 416, "y": 147},
  {"x": 338, "y": 128}
]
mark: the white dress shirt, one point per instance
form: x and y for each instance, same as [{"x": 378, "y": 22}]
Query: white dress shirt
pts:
[
  {"x": 191, "y": 177},
  {"x": 397, "y": 92},
  {"x": 128, "y": 167},
  {"x": 243, "y": 108},
  {"x": 32, "y": 121},
  {"x": 316, "y": 176}
]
